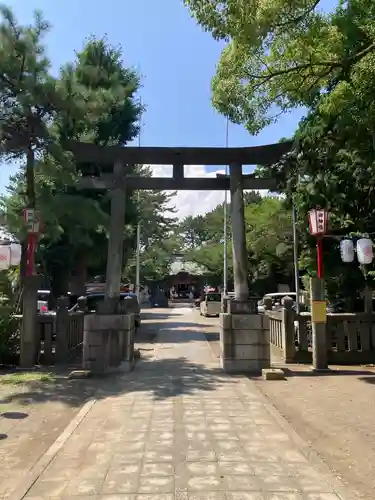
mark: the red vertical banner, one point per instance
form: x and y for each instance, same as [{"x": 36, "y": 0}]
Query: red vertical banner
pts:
[
  {"x": 31, "y": 247},
  {"x": 319, "y": 256},
  {"x": 32, "y": 221}
]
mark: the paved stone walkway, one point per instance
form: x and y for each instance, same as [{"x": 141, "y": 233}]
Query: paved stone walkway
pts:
[{"x": 179, "y": 429}]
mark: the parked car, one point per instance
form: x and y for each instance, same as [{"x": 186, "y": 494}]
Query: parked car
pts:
[
  {"x": 93, "y": 299},
  {"x": 276, "y": 300},
  {"x": 211, "y": 304}
]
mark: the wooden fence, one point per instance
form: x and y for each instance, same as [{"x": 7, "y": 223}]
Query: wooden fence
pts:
[{"x": 350, "y": 337}]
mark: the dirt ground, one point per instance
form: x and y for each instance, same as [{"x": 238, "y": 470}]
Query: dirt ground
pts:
[
  {"x": 35, "y": 408},
  {"x": 334, "y": 413}
]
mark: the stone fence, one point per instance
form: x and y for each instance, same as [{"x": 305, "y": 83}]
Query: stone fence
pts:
[
  {"x": 62, "y": 335},
  {"x": 350, "y": 337},
  {"x": 59, "y": 334}
]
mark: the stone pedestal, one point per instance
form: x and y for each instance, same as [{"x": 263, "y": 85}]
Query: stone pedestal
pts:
[
  {"x": 108, "y": 342},
  {"x": 244, "y": 342}
]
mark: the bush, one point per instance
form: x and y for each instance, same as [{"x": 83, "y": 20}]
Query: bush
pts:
[
  {"x": 9, "y": 325},
  {"x": 9, "y": 336}
]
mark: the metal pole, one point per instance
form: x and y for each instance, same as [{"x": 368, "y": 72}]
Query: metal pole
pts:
[
  {"x": 225, "y": 270},
  {"x": 295, "y": 256},
  {"x": 138, "y": 250}
]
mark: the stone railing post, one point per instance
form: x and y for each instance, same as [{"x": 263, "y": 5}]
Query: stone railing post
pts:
[
  {"x": 48, "y": 325},
  {"x": 267, "y": 301},
  {"x": 224, "y": 303},
  {"x": 62, "y": 329},
  {"x": 288, "y": 331}
]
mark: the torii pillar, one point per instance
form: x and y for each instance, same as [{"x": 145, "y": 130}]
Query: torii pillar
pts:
[
  {"x": 240, "y": 271},
  {"x": 244, "y": 334}
]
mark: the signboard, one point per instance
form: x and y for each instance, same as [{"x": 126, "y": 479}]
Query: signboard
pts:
[
  {"x": 32, "y": 220},
  {"x": 318, "y": 311}
]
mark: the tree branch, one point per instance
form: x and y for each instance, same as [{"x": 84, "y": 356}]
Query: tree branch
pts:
[{"x": 299, "y": 18}]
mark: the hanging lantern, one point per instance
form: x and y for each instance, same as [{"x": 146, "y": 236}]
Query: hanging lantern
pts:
[
  {"x": 4, "y": 257},
  {"x": 347, "y": 250},
  {"x": 318, "y": 220},
  {"x": 364, "y": 251},
  {"x": 15, "y": 254}
]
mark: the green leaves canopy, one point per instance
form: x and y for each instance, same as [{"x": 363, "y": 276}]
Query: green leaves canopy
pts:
[{"x": 281, "y": 55}]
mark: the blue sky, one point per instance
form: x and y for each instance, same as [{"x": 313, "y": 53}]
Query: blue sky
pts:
[{"x": 176, "y": 58}]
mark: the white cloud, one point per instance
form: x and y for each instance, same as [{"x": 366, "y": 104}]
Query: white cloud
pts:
[{"x": 193, "y": 202}]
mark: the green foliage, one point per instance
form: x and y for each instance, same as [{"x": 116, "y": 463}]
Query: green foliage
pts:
[
  {"x": 99, "y": 93},
  {"x": 332, "y": 166},
  {"x": 281, "y": 54},
  {"x": 155, "y": 260},
  {"x": 9, "y": 326},
  {"x": 268, "y": 235},
  {"x": 28, "y": 93},
  {"x": 269, "y": 239}
]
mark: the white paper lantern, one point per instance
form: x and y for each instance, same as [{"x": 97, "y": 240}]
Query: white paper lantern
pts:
[
  {"x": 4, "y": 257},
  {"x": 318, "y": 221},
  {"x": 364, "y": 251},
  {"x": 347, "y": 250},
  {"x": 15, "y": 254}
]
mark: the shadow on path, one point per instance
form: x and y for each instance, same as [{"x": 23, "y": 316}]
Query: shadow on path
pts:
[
  {"x": 147, "y": 315},
  {"x": 291, "y": 372},
  {"x": 164, "y": 378},
  {"x": 368, "y": 379},
  {"x": 150, "y": 330}
]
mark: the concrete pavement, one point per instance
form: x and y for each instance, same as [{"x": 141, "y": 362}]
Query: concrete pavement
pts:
[{"x": 177, "y": 428}]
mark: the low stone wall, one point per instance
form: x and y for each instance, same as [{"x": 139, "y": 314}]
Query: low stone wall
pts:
[{"x": 244, "y": 343}]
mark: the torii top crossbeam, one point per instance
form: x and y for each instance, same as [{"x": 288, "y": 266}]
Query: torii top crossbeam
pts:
[
  {"x": 178, "y": 157},
  {"x": 254, "y": 155}
]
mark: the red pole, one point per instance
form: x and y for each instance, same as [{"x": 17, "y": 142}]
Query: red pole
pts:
[
  {"x": 31, "y": 247},
  {"x": 319, "y": 255}
]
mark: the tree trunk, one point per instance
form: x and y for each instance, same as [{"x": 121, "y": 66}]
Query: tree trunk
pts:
[
  {"x": 29, "y": 342},
  {"x": 30, "y": 203}
]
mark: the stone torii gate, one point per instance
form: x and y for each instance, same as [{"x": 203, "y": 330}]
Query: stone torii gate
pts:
[{"x": 119, "y": 180}]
